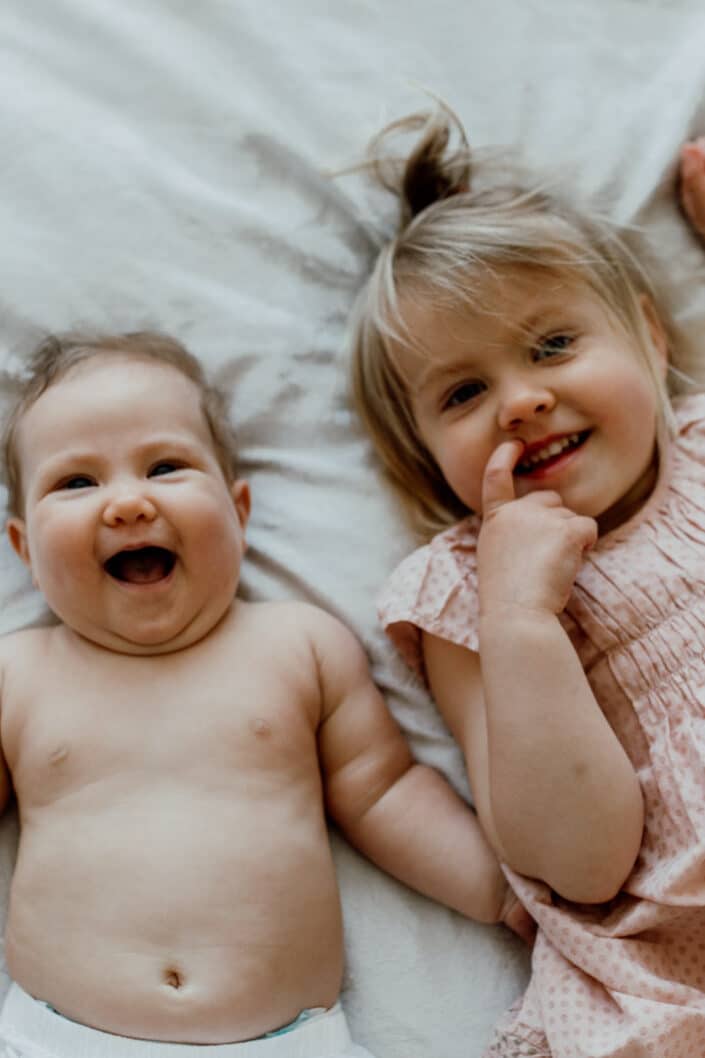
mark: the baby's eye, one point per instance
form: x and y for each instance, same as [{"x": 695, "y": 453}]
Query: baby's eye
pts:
[
  {"x": 167, "y": 466},
  {"x": 76, "y": 481},
  {"x": 551, "y": 346},
  {"x": 463, "y": 394}
]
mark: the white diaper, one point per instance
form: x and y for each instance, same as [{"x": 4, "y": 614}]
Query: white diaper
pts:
[{"x": 29, "y": 1029}]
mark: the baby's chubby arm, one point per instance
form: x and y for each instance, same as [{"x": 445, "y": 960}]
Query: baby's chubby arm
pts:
[
  {"x": 554, "y": 788},
  {"x": 5, "y": 779},
  {"x": 402, "y": 815}
]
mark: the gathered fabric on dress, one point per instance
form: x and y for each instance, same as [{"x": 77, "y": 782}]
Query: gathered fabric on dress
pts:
[{"x": 625, "y": 979}]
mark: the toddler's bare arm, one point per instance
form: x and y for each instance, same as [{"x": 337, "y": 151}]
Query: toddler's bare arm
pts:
[
  {"x": 556, "y": 790},
  {"x": 402, "y": 815}
]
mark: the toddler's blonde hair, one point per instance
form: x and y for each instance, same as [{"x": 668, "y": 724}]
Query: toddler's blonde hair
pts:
[{"x": 464, "y": 219}]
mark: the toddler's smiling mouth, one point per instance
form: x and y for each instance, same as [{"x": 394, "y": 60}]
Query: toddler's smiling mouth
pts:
[
  {"x": 141, "y": 565},
  {"x": 549, "y": 453}
]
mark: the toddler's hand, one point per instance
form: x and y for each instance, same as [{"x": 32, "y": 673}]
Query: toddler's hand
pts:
[
  {"x": 692, "y": 183},
  {"x": 517, "y": 918},
  {"x": 529, "y": 549}
]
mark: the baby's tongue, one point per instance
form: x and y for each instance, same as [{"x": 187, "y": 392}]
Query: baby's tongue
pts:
[{"x": 143, "y": 566}]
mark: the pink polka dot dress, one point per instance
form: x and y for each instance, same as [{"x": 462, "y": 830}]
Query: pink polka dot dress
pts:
[{"x": 624, "y": 979}]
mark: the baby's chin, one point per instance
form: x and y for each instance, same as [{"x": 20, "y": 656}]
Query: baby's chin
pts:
[{"x": 152, "y": 638}]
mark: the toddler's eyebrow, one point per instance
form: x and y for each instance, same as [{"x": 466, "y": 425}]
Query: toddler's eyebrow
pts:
[
  {"x": 435, "y": 374},
  {"x": 546, "y": 313}
]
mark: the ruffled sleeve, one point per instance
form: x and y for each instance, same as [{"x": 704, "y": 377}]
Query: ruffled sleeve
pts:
[
  {"x": 434, "y": 590},
  {"x": 690, "y": 412},
  {"x": 690, "y": 421}
]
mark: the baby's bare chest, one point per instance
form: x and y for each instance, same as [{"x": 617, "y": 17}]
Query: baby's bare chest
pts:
[{"x": 66, "y": 729}]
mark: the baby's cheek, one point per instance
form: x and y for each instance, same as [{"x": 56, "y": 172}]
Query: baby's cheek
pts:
[
  {"x": 220, "y": 540},
  {"x": 55, "y": 555}
]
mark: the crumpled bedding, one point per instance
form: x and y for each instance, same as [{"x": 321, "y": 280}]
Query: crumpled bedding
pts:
[{"x": 169, "y": 165}]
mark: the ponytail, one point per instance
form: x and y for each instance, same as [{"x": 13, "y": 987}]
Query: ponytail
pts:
[{"x": 434, "y": 170}]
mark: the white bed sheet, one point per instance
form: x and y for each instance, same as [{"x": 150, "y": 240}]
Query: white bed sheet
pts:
[{"x": 163, "y": 165}]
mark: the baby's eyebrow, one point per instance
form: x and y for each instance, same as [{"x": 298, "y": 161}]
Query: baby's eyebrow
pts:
[
  {"x": 72, "y": 458},
  {"x": 48, "y": 471},
  {"x": 67, "y": 457}
]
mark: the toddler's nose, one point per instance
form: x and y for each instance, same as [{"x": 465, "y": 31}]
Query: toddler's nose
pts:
[
  {"x": 524, "y": 403},
  {"x": 128, "y": 506}
]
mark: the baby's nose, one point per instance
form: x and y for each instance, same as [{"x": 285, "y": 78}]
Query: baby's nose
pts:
[{"x": 128, "y": 506}]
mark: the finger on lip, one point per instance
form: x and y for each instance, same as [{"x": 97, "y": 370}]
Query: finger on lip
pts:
[
  {"x": 509, "y": 458},
  {"x": 497, "y": 482},
  {"x": 506, "y": 456}
]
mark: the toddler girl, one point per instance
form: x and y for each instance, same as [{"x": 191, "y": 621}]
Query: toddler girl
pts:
[{"x": 511, "y": 362}]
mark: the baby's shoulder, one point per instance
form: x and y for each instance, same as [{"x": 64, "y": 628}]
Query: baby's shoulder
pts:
[
  {"x": 293, "y": 621},
  {"x": 309, "y": 643},
  {"x": 24, "y": 654},
  {"x": 26, "y": 644}
]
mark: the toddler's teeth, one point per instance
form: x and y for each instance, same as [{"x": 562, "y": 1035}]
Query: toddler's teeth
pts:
[{"x": 549, "y": 451}]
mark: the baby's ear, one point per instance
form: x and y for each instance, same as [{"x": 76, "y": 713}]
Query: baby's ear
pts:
[
  {"x": 656, "y": 330},
  {"x": 17, "y": 534},
  {"x": 240, "y": 491}
]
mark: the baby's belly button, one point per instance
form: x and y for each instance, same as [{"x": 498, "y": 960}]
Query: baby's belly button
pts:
[
  {"x": 173, "y": 978},
  {"x": 183, "y": 984}
]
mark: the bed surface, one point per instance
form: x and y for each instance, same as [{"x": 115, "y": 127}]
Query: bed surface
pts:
[{"x": 167, "y": 165}]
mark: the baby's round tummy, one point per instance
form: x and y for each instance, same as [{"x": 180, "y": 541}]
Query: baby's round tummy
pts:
[{"x": 189, "y": 922}]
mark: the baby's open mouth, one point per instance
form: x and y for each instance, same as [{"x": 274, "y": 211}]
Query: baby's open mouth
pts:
[
  {"x": 550, "y": 453},
  {"x": 142, "y": 565}
]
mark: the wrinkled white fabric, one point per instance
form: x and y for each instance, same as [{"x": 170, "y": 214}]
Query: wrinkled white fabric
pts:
[{"x": 167, "y": 165}]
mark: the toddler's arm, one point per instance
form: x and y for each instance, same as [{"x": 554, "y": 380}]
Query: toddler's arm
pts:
[
  {"x": 554, "y": 788},
  {"x": 556, "y": 793},
  {"x": 402, "y": 815}
]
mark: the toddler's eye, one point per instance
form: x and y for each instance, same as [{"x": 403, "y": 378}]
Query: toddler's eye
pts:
[
  {"x": 552, "y": 345},
  {"x": 463, "y": 394}
]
